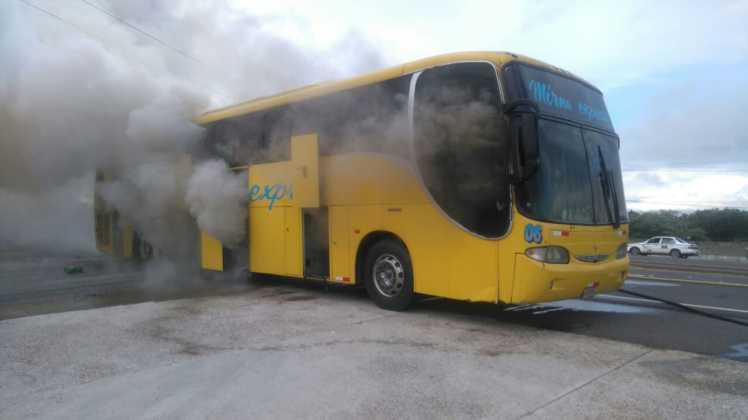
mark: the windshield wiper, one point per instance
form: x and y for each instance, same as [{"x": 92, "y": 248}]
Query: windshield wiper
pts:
[{"x": 609, "y": 190}]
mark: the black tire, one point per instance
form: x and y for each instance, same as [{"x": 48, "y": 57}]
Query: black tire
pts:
[
  {"x": 394, "y": 290},
  {"x": 675, "y": 253},
  {"x": 635, "y": 251}
]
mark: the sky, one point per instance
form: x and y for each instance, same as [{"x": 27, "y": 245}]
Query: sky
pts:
[{"x": 673, "y": 72}]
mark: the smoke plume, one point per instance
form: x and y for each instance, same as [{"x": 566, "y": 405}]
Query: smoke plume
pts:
[
  {"x": 81, "y": 89},
  {"x": 217, "y": 199}
]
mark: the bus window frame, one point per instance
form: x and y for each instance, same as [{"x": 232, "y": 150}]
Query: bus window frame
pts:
[
  {"x": 517, "y": 83},
  {"x": 521, "y": 209},
  {"x": 413, "y": 159}
]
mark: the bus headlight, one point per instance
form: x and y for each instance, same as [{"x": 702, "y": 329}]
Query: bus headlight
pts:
[
  {"x": 622, "y": 251},
  {"x": 549, "y": 254}
]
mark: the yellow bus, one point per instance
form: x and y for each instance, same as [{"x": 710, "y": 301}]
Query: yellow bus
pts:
[{"x": 477, "y": 176}]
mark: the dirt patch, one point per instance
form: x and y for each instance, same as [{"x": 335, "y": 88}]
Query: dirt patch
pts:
[{"x": 295, "y": 298}]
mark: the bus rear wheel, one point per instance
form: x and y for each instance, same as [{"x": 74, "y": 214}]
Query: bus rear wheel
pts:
[{"x": 389, "y": 275}]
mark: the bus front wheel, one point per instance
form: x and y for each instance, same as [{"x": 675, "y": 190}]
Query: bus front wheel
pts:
[{"x": 389, "y": 275}]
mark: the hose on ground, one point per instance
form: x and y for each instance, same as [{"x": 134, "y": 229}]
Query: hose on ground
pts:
[{"x": 685, "y": 308}]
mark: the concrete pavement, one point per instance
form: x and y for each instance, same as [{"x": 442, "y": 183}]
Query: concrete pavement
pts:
[{"x": 279, "y": 351}]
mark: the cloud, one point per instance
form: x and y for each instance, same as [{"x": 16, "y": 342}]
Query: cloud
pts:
[
  {"x": 684, "y": 190},
  {"x": 697, "y": 124},
  {"x": 741, "y": 197},
  {"x": 611, "y": 43},
  {"x": 654, "y": 179}
]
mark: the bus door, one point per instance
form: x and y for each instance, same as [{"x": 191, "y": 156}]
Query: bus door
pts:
[
  {"x": 284, "y": 205},
  {"x": 305, "y": 161},
  {"x": 316, "y": 243}
]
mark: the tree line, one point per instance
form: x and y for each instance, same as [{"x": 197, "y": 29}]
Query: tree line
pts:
[{"x": 713, "y": 224}]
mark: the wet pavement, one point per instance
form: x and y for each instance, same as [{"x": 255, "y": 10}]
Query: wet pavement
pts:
[{"x": 35, "y": 284}]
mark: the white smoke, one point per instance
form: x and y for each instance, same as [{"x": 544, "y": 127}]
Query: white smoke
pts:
[
  {"x": 150, "y": 197},
  {"x": 70, "y": 228},
  {"x": 217, "y": 198},
  {"x": 81, "y": 90}
]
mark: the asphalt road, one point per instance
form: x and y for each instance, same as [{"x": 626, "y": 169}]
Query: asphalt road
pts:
[
  {"x": 711, "y": 286},
  {"x": 33, "y": 284}
]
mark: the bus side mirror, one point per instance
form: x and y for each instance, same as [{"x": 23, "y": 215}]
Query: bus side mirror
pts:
[{"x": 526, "y": 151}]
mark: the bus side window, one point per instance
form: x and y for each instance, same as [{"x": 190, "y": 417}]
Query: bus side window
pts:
[
  {"x": 237, "y": 140},
  {"x": 460, "y": 141},
  {"x": 276, "y": 135},
  {"x": 370, "y": 118},
  {"x": 254, "y": 138}
]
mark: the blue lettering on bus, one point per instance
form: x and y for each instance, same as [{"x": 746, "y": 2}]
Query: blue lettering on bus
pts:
[
  {"x": 533, "y": 233},
  {"x": 253, "y": 192},
  {"x": 592, "y": 114},
  {"x": 543, "y": 93},
  {"x": 270, "y": 192}
]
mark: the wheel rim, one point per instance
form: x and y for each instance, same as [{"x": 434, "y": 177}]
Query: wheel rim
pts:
[{"x": 388, "y": 275}]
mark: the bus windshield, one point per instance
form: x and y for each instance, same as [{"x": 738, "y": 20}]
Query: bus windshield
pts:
[
  {"x": 570, "y": 185},
  {"x": 579, "y": 176}
]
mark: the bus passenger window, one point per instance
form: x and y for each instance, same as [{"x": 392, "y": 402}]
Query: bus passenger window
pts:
[
  {"x": 254, "y": 138},
  {"x": 276, "y": 136},
  {"x": 460, "y": 144},
  {"x": 371, "y": 118}
]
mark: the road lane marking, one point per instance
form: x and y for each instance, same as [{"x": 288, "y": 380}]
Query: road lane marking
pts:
[
  {"x": 628, "y": 298},
  {"x": 729, "y": 272},
  {"x": 699, "y": 282},
  {"x": 655, "y": 283},
  {"x": 690, "y": 305}
]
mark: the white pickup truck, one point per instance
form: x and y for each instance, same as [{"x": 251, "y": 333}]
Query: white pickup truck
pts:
[{"x": 664, "y": 245}]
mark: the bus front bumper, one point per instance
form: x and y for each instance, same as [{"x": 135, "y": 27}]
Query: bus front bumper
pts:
[{"x": 536, "y": 282}]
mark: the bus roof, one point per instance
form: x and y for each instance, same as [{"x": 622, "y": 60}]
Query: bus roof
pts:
[{"x": 325, "y": 88}]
